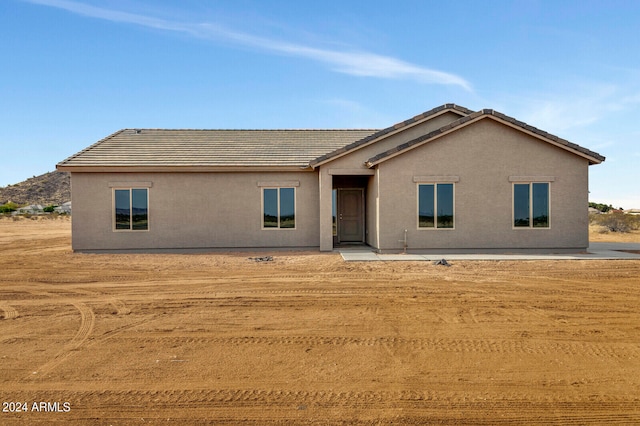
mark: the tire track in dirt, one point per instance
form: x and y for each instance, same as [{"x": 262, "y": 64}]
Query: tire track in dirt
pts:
[
  {"x": 317, "y": 277},
  {"x": 9, "y": 312},
  {"x": 120, "y": 306},
  {"x": 71, "y": 280},
  {"x": 70, "y": 292},
  {"x": 235, "y": 406},
  {"x": 87, "y": 322},
  {"x": 459, "y": 316},
  {"x": 212, "y": 283},
  {"x": 569, "y": 404},
  {"x": 215, "y": 292},
  {"x": 596, "y": 350},
  {"x": 115, "y": 331},
  {"x": 217, "y": 295}
]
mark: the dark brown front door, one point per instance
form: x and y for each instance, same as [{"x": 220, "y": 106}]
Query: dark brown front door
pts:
[{"x": 351, "y": 215}]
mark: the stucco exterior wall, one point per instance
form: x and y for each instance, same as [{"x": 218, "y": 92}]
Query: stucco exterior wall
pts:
[
  {"x": 354, "y": 162},
  {"x": 484, "y": 155},
  {"x": 372, "y": 200},
  {"x": 325, "y": 187},
  {"x": 193, "y": 210}
]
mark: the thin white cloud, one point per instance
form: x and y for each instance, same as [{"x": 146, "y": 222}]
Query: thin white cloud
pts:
[
  {"x": 109, "y": 15},
  {"x": 355, "y": 63},
  {"x": 570, "y": 109},
  {"x": 346, "y": 113},
  {"x": 559, "y": 115},
  {"x": 631, "y": 99}
]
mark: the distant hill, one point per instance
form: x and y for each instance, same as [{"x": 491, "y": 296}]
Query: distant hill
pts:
[{"x": 49, "y": 188}]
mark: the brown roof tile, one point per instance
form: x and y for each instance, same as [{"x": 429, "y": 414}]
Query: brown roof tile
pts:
[
  {"x": 211, "y": 148},
  {"x": 149, "y": 148}
]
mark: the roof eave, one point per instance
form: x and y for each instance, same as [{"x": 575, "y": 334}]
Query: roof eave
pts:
[{"x": 179, "y": 169}]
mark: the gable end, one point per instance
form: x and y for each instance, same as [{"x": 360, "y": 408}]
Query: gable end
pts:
[{"x": 593, "y": 157}]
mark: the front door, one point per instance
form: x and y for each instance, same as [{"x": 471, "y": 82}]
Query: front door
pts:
[{"x": 351, "y": 215}]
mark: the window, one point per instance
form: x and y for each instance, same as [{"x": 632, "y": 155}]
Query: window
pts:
[
  {"x": 531, "y": 205},
  {"x": 279, "y": 205},
  {"x": 131, "y": 209},
  {"x": 435, "y": 206}
]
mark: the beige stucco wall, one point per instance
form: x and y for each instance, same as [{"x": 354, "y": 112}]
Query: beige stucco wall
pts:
[
  {"x": 484, "y": 155},
  {"x": 325, "y": 217},
  {"x": 193, "y": 210},
  {"x": 371, "y": 220},
  {"x": 354, "y": 162}
]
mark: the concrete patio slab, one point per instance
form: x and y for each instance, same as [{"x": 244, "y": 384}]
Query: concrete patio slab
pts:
[{"x": 596, "y": 251}]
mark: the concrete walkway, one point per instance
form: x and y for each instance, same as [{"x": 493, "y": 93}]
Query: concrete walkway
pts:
[{"x": 596, "y": 251}]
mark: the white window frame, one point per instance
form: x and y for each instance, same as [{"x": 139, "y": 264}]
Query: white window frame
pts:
[
  {"x": 435, "y": 206},
  {"x": 113, "y": 208},
  {"x": 295, "y": 207},
  {"x": 513, "y": 205}
]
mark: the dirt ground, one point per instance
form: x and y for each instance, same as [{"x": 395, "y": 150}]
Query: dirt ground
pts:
[{"x": 309, "y": 339}]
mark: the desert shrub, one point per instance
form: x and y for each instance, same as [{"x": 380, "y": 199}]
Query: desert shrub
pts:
[
  {"x": 602, "y": 207},
  {"x": 49, "y": 209},
  {"x": 618, "y": 222},
  {"x": 8, "y": 207}
]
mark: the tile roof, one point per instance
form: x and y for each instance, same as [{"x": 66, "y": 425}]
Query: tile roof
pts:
[
  {"x": 594, "y": 157},
  {"x": 204, "y": 149},
  {"x": 212, "y": 148},
  {"x": 381, "y": 133}
]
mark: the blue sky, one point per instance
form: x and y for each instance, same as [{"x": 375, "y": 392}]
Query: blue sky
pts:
[{"x": 75, "y": 71}]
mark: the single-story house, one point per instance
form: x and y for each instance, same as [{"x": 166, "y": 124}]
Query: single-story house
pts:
[
  {"x": 64, "y": 208},
  {"x": 30, "y": 209},
  {"x": 449, "y": 179}
]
